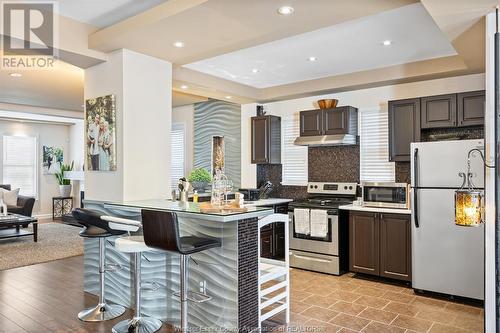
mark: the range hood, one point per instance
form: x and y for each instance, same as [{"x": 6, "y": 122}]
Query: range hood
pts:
[{"x": 326, "y": 140}]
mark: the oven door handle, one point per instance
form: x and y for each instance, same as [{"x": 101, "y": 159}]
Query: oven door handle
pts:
[{"x": 309, "y": 258}]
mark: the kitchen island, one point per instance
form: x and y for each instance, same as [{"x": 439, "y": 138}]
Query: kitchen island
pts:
[{"x": 228, "y": 274}]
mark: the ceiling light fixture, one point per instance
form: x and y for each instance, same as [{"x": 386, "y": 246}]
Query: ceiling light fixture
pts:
[
  {"x": 229, "y": 97},
  {"x": 184, "y": 86},
  {"x": 16, "y": 74},
  {"x": 312, "y": 59},
  {"x": 255, "y": 70},
  {"x": 285, "y": 10},
  {"x": 386, "y": 42},
  {"x": 179, "y": 44}
]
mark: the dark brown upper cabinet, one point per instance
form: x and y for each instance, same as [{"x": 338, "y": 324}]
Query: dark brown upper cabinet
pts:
[
  {"x": 404, "y": 128},
  {"x": 340, "y": 120},
  {"x": 439, "y": 111},
  {"x": 380, "y": 244},
  {"x": 471, "y": 108},
  {"x": 266, "y": 140},
  {"x": 311, "y": 123}
]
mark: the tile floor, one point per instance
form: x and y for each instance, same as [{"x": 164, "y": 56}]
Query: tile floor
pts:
[{"x": 350, "y": 303}]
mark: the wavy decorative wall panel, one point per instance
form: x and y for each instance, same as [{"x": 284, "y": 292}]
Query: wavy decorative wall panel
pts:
[{"x": 218, "y": 118}]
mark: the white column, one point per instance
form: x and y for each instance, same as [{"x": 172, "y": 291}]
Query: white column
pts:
[
  {"x": 142, "y": 86},
  {"x": 489, "y": 306},
  {"x": 248, "y": 170}
]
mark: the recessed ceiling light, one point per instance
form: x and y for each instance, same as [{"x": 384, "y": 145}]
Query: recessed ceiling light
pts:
[
  {"x": 179, "y": 44},
  {"x": 312, "y": 59},
  {"x": 255, "y": 70},
  {"x": 229, "y": 97},
  {"x": 16, "y": 74},
  {"x": 285, "y": 10},
  {"x": 184, "y": 86},
  {"x": 386, "y": 42}
]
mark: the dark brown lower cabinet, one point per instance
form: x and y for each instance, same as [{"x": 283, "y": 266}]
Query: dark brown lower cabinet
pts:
[
  {"x": 395, "y": 246},
  {"x": 364, "y": 243},
  {"x": 380, "y": 244},
  {"x": 272, "y": 237}
]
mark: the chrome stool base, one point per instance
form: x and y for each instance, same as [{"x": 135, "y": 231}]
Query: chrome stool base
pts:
[
  {"x": 138, "y": 325},
  {"x": 101, "y": 312}
]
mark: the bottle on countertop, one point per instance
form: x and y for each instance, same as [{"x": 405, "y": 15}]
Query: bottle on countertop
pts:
[{"x": 195, "y": 196}]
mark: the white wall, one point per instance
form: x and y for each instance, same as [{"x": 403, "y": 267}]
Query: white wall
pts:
[
  {"x": 362, "y": 99},
  {"x": 185, "y": 115},
  {"x": 48, "y": 135},
  {"x": 489, "y": 306},
  {"x": 143, "y": 89}
]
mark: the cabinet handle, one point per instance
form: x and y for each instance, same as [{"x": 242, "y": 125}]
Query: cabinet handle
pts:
[{"x": 381, "y": 216}]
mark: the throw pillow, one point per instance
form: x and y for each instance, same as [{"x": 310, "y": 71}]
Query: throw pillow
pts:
[{"x": 10, "y": 197}]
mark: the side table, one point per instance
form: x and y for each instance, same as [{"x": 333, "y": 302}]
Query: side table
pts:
[{"x": 61, "y": 206}]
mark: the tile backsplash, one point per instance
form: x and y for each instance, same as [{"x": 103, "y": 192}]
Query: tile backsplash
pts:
[{"x": 340, "y": 164}]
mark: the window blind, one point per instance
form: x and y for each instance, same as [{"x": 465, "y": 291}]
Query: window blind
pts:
[
  {"x": 20, "y": 164},
  {"x": 178, "y": 154},
  {"x": 294, "y": 158},
  {"x": 374, "y": 146}
]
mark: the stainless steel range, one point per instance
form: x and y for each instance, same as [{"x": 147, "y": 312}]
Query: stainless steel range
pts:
[{"x": 322, "y": 252}]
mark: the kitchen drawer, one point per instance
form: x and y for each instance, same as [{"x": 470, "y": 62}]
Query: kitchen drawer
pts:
[{"x": 314, "y": 262}]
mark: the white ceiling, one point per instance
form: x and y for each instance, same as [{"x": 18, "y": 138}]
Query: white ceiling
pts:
[
  {"x": 102, "y": 13},
  {"x": 343, "y": 48}
]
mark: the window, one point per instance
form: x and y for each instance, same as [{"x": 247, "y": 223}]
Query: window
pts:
[
  {"x": 178, "y": 153},
  {"x": 293, "y": 158},
  {"x": 374, "y": 159},
  {"x": 20, "y": 164}
]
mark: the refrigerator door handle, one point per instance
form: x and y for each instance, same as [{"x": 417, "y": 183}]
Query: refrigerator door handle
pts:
[{"x": 415, "y": 187}]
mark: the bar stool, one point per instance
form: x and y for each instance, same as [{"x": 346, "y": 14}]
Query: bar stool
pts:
[
  {"x": 161, "y": 231},
  {"x": 94, "y": 227},
  {"x": 135, "y": 245}
]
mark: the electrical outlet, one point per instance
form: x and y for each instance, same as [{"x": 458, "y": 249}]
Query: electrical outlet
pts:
[{"x": 203, "y": 287}]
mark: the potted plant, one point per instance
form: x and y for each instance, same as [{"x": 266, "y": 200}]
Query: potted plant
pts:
[
  {"x": 199, "y": 179},
  {"x": 64, "y": 184}
]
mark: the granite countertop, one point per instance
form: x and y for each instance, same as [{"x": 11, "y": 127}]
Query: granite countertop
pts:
[
  {"x": 188, "y": 209},
  {"x": 375, "y": 209}
]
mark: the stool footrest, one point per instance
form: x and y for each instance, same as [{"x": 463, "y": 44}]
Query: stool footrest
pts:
[{"x": 195, "y": 296}]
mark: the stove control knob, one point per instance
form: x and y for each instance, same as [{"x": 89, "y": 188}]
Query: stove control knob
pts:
[
  {"x": 345, "y": 187},
  {"x": 350, "y": 187},
  {"x": 311, "y": 186},
  {"x": 315, "y": 186}
]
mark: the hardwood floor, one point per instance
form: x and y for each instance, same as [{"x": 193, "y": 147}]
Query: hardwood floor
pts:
[{"x": 47, "y": 297}]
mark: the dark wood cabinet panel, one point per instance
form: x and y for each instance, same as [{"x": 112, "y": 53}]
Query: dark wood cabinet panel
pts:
[
  {"x": 363, "y": 243},
  {"x": 279, "y": 241},
  {"x": 404, "y": 128},
  {"x": 395, "y": 246},
  {"x": 471, "y": 108},
  {"x": 266, "y": 244},
  {"x": 266, "y": 140},
  {"x": 439, "y": 111},
  {"x": 336, "y": 121},
  {"x": 273, "y": 236},
  {"x": 311, "y": 123}
]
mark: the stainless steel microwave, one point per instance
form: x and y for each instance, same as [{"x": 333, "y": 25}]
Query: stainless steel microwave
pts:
[{"x": 389, "y": 195}]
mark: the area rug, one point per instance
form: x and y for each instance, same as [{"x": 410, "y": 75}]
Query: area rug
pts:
[{"x": 55, "y": 241}]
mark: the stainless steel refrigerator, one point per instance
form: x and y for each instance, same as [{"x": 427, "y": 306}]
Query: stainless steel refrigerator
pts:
[{"x": 446, "y": 258}]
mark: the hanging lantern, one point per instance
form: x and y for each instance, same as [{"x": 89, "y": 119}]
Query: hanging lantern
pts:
[
  {"x": 468, "y": 201},
  {"x": 468, "y": 207}
]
